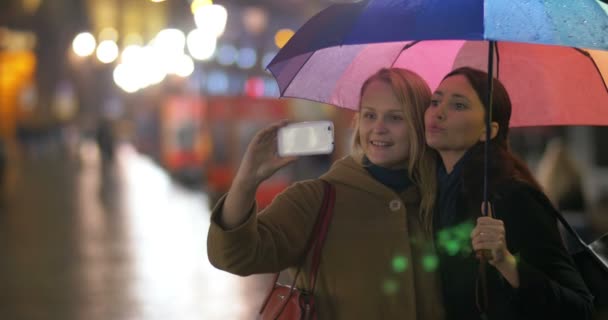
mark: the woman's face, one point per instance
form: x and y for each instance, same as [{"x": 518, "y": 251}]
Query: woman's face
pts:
[
  {"x": 454, "y": 121},
  {"x": 382, "y": 127}
]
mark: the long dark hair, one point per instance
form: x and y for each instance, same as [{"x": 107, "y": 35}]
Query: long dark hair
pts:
[{"x": 503, "y": 165}]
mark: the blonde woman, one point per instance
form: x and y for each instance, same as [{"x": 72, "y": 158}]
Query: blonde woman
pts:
[{"x": 380, "y": 234}]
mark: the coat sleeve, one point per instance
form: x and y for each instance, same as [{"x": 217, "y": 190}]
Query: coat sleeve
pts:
[
  {"x": 550, "y": 285},
  {"x": 270, "y": 240}
]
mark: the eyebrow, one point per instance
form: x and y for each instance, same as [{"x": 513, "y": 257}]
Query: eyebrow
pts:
[
  {"x": 455, "y": 95},
  {"x": 372, "y": 109}
]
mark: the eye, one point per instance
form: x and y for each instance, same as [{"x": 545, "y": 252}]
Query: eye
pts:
[
  {"x": 369, "y": 115},
  {"x": 434, "y": 102},
  {"x": 396, "y": 117},
  {"x": 460, "y": 106}
]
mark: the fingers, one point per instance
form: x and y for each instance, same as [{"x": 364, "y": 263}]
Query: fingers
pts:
[
  {"x": 284, "y": 161},
  {"x": 488, "y": 229},
  {"x": 489, "y": 221},
  {"x": 488, "y": 239}
]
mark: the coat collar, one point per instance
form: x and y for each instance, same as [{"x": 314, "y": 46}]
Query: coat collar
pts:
[{"x": 347, "y": 171}]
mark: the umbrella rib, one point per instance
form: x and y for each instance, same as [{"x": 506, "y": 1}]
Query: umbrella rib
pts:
[
  {"x": 497, "y": 60},
  {"x": 296, "y": 73},
  {"x": 346, "y": 32},
  {"x": 407, "y": 46},
  {"x": 586, "y": 54}
]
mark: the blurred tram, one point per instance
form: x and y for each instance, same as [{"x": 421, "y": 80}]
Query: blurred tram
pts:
[{"x": 204, "y": 139}]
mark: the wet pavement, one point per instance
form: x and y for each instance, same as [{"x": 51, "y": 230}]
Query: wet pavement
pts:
[{"x": 80, "y": 240}]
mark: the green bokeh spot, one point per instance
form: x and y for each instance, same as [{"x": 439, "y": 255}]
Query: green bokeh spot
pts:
[
  {"x": 430, "y": 263},
  {"x": 456, "y": 240},
  {"x": 399, "y": 264},
  {"x": 444, "y": 235},
  {"x": 463, "y": 231},
  {"x": 390, "y": 287},
  {"x": 452, "y": 247}
]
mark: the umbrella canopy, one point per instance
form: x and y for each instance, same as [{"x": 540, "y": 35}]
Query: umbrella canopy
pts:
[{"x": 552, "y": 56}]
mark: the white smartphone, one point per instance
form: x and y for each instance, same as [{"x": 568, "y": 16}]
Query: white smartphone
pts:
[{"x": 306, "y": 138}]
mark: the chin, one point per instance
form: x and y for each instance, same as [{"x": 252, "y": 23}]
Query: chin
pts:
[
  {"x": 387, "y": 163},
  {"x": 433, "y": 144}
]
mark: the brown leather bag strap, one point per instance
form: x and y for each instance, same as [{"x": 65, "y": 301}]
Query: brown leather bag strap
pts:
[
  {"x": 315, "y": 243},
  {"x": 321, "y": 233},
  {"x": 317, "y": 237}
]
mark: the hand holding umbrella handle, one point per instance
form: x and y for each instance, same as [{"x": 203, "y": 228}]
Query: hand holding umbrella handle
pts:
[{"x": 485, "y": 255}]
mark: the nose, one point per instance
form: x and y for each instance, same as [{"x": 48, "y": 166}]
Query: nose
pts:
[
  {"x": 380, "y": 126},
  {"x": 438, "y": 112}
]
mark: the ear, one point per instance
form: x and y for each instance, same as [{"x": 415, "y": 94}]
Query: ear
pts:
[{"x": 494, "y": 127}]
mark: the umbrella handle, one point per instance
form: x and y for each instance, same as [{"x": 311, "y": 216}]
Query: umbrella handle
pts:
[{"x": 484, "y": 255}]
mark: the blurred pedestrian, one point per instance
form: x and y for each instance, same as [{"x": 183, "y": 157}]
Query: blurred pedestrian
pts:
[
  {"x": 562, "y": 180},
  {"x": 106, "y": 141}
]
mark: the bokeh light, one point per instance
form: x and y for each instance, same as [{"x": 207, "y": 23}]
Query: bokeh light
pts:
[
  {"x": 271, "y": 88},
  {"x": 227, "y": 55},
  {"x": 84, "y": 44},
  {"x": 267, "y": 58},
  {"x": 131, "y": 54},
  {"x": 108, "y": 34},
  {"x": 456, "y": 240},
  {"x": 107, "y": 51},
  {"x": 390, "y": 287},
  {"x": 255, "y": 20},
  {"x": 247, "y": 58},
  {"x": 211, "y": 19},
  {"x": 184, "y": 66},
  {"x": 197, "y": 4},
  {"x": 170, "y": 41},
  {"x": 430, "y": 263},
  {"x": 125, "y": 78},
  {"x": 201, "y": 45},
  {"x": 133, "y": 38},
  {"x": 400, "y": 264},
  {"x": 217, "y": 82},
  {"x": 282, "y": 37},
  {"x": 254, "y": 87}
]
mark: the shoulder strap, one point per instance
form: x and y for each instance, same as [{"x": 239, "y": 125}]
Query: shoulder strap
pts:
[
  {"x": 320, "y": 231},
  {"x": 547, "y": 203},
  {"x": 315, "y": 244},
  {"x": 317, "y": 237}
]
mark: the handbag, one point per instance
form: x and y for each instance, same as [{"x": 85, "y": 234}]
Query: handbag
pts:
[
  {"x": 592, "y": 264},
  {"x": 285, "y": 302}
]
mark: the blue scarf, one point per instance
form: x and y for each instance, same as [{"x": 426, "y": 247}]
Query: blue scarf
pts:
[
  {"x": 396, "y": 179},
  {"x": 450, "y": 189}
]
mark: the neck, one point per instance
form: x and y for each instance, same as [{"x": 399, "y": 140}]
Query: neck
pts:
[{"x": 450, "y": 158}]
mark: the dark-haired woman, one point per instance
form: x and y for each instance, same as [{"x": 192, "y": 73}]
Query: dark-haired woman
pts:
[{"x": 529, "y": 274}]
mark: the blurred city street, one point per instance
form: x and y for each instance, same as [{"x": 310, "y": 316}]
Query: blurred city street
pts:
[
  {"x": 81, "y": 240},
  {"x": 123, "y": 121}
]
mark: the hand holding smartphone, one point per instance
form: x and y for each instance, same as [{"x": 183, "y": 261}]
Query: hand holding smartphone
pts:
[{"x": 306, "y": 138}]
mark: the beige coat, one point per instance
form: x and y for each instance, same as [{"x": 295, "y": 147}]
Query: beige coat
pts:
[{"x": 372, "y": 260}]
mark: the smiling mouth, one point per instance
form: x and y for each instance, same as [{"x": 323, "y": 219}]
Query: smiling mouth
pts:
[{"x": 380, "y": 143}]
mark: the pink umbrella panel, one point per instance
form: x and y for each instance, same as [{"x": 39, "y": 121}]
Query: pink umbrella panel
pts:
[{"x": 548, "y": 85}]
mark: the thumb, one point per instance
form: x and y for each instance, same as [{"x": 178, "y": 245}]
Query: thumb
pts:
[{"x": 489, "y": 212}]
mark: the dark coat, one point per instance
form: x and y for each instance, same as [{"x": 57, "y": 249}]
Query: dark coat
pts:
[{"x": 550, "y": 285}]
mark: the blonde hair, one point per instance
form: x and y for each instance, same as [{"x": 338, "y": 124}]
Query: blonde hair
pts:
[{"x": 414, "y": 95}]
